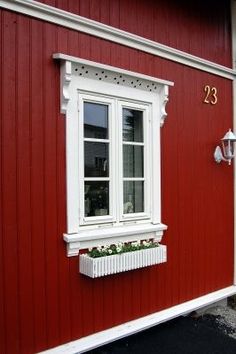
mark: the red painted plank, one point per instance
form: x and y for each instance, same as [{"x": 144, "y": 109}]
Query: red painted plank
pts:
[
  {"x": 66, "y": 42},
  {"x": 87, "y": 297},
  {"x": 37, "y": 187},
  {"x": 74, "y": 6},
  {"x": 9, "y": 227},
  {"x": 105, "y": 11},
  {"x": 23, "y": 138},
  {"x": 84, "y": 8},
  {"x": 115, "y": 13},
  {"x": 50, "y": 87},
  {"x": 2, "y": 270},
  {"x": 84, "y": 46},
  {"x": 95, "y": 10},
  {"x": 61, "y": 4},
  {"x": 128, "y": 23},
  {"x": 76, "y": 298},
  {"x": 100, "y": 306},
  {"x": 109, "y": 303}
]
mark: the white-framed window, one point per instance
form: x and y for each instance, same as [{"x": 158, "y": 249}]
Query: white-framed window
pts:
[
  {"x": 114, "y": 160},
  {"x": 113, "y": 120}
]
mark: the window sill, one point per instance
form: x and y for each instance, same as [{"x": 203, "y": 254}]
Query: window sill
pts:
[{"x": 109, "y": 235}]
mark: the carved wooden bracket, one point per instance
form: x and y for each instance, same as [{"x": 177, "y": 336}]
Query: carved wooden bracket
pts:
[
  {"x": 164, "y": 98},
  {"x": 66, "y": 77}
]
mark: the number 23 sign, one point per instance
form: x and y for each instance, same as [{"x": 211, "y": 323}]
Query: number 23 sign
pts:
[{"x": 211, "y": 95}]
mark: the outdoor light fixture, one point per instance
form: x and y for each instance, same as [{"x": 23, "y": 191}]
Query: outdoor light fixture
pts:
[{"x": 228, "y": 148}]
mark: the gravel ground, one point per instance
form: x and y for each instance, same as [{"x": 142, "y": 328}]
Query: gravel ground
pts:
[{"x": 222, "y": 317}]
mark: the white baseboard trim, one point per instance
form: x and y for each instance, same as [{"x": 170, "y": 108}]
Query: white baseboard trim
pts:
[
  {"x": 95, "y": 340},
  {"x": 78, "y": 23}
]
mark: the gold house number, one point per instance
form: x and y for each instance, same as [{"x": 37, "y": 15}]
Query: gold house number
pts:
[{"x": 210, "y": 95}]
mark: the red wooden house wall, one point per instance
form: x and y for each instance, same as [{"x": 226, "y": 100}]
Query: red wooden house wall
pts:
[{"x": 44, "y": 301}]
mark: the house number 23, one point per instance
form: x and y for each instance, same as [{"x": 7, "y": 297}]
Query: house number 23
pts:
[{"x": 210, "y": 95}]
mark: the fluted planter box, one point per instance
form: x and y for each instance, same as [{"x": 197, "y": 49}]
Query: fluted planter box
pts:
[{"x": 101, "y": 266}]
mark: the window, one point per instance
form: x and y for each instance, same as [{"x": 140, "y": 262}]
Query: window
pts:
[
  {"x": 113, "y": 120},
  {"x": 114, "y": 178}
]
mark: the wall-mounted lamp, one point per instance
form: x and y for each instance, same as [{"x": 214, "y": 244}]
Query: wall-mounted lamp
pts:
[{"x": 228, "y": 148}]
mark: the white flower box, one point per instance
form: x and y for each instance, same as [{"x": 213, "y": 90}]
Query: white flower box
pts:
[{"x": 101, "y": 266}]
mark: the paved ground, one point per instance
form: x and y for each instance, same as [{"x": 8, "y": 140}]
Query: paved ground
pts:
[{"x": 214, "y": 332}]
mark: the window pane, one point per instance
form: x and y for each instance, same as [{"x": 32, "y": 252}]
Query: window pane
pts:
[
  {"x": 132, "y": 161},
  {"x": 96, "y": 198},
  {"x": 96, "y": 159},
  {"x": 95, "y": 120},
  {"x": 133, "y": 197},
  {"x": 132, "y": 125}
]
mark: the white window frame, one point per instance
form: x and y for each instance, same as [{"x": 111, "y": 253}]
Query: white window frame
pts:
[
  {"x": 83, "y": 78},
  {"x": 145, "y": 108},
  {"x": 111, "y": 103},
  {"x": 116, "y": 215}
]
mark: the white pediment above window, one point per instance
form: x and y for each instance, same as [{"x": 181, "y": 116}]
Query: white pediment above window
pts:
[{"x": 73, "y": 68}]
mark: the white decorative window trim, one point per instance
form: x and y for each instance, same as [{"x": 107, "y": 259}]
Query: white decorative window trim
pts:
[
  {"x": 106, "y": 73},
  {"x": 79, "y": 75},
  {"x": 104, "y": 236},
  {"x": 78, "y": 23}
]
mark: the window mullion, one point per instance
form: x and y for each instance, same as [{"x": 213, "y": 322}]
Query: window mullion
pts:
[
  {"x": 147, "y": 164},
  {"x": 133, "y": 143},
  {"x": 117, "y": 158},
  {"x": 134, "y": 179},
  {"x": 81, "y": 161},
  {"x": 113, "y": 159},
  {"x": 96, "y": 140}
]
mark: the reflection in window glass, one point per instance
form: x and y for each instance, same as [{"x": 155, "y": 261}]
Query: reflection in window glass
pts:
[
  {"x": 96, "y": 159},
  {"x": 96, "y": 198},
  {"x": 132, "y": 161},
  {"x": 133, "y": 197},
  {"x": 132, "y": 125},
  {"x": 95, "y": 120}
]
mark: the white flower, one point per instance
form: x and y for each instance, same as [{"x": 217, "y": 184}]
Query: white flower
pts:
[
  {"x": 99, "y": 248},
  {"x": 110, "y": 251},
  {"x": 118, "y": 249},
  {"x": 90, "y": 249}
]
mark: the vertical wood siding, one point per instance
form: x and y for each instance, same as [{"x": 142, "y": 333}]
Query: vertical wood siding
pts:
[
  {"x": 44, "y": 301},
  {"x": 185, "y": 25}
]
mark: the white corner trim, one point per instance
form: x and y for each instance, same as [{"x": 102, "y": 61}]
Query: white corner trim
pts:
[
  {"x": 97, "y": 29},
  {"x": 101, "y": 338},
  {"x": 233, "y": 24},
  {"x": 234, "y": 125}
]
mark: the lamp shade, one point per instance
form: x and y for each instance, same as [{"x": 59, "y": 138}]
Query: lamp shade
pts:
[{"x": 229, "y": 136}]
